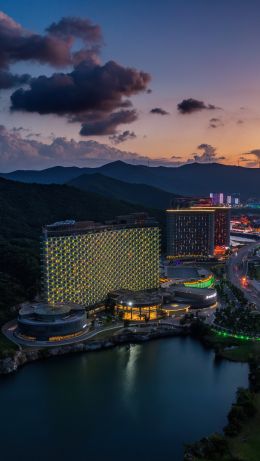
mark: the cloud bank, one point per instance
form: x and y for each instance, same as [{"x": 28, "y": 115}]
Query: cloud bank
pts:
[
  {"x": 20, "y": 148},
  {"x": 18, "y": 152}
]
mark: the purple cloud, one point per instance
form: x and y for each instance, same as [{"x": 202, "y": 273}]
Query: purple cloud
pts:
[
  {"x": 158, "y": 111},
  {"x": 9, "y": 80},
  {"x": 209, "y": 154},
  {"x": 55, "y": 47},
  {"x": 188, "y": 106},
  {"x": 90, "y": 94},
  {"x": 18, "y": 152},
  {"x": 215, "y": 122},
  {"x": 122, "y": 137},
  {"x": 108, "y": 124}
]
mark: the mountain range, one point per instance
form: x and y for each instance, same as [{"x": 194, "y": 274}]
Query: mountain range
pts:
[
  {"x": 142, "y": 194},
  {"x": 190, "y": 179}
]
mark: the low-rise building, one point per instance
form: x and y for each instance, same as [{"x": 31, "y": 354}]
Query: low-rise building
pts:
[{"x": 41, "y": 322}]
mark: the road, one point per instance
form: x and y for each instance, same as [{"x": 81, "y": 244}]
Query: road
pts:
[
  {"x": 237, "y": 268},
  {"x": 9, "y": 331}
]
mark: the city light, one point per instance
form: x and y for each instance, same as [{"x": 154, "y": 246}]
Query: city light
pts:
[
  {"x": 211, "y": 296},
  {"x": 83, "y": 264},
  {"x": 236, "y": 336},
  {"x": 244, "y": 281}
]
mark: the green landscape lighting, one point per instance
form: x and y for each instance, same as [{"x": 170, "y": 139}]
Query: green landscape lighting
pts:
[
  {"x": 233, "y": 335},
  {"x": 206, "y": 283}
]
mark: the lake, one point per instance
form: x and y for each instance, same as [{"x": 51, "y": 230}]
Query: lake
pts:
[{"x": 140, "y": 403}]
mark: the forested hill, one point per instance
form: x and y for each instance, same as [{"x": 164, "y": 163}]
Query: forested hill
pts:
[
  {"x": 24, "y": 208},
  {"x": 141, "y": 194}
]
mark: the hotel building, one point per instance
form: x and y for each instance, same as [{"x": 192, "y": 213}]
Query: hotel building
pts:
[
  {"x": 197, "y": 231},
  {"x": 222, "y": 227},
  {"x": 84, "y": 261}
]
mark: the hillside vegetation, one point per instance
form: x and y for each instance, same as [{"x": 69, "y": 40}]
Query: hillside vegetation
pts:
[
  {"x": 142, "y": 194},
  {"x": 24, "y": 209}
]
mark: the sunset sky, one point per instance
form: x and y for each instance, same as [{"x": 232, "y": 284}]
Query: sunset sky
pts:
[{"x": 173, "y": 81}]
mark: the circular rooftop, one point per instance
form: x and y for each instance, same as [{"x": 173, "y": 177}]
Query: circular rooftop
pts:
[
  {"x": 49, "y": 310},
  {"x": 45, "y": 322}
]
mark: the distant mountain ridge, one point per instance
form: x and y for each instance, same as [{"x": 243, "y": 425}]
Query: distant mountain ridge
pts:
[
  {"x": 53, "y": 175},
  {"x": 142, "y": 194},
  {"x": 189, "y": 179}
]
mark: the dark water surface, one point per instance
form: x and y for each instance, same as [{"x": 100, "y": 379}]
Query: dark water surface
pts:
[{"x": 139, "y": 404}]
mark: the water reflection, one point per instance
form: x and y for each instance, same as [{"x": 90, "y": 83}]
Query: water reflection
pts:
[
  {"x": 134, "y": 353},
  {"x": 137, "y": 402}
]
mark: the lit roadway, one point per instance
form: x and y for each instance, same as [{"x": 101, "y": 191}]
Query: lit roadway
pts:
[
  {"x": 9, "y": 331},
  {"x": 237, "y": 268}
]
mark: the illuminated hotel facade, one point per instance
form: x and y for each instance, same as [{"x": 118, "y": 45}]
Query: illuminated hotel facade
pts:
[
  {"x": 197, "y": 231},
  {"x": 222, "y": 227},
  {"x": 84, "y": 261}
]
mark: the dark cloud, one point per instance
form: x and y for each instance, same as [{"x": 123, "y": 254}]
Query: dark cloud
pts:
[
  {"x": 92, "y": 94},
  {"x": 188, "y": 106},
  {"x": 176, "y": 157},
  {"x": 90, "y": 34},
  {"x": 18, "y": 129},
  {"x": 89, "y": 94},
  {"x": 122, "y": 137},
  {"x": 107, "y": 125},
  {"x": 9, "y": 80},
  {"x": 215, "y": 122},
  {"x": 209, "y": 154},
  {"x": 256, "y": 154},
  {"x": 250, "y": 163},
  {"x": 86, "y": 88},
  {"x": 55, "y": 47},
  {"x": 240, "y": 122},
  {"x": 33, "y": 135},
  {"x": 159, "y": 111}
]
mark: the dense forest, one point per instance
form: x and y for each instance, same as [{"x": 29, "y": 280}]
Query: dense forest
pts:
[{"x": 24, "y": 209}]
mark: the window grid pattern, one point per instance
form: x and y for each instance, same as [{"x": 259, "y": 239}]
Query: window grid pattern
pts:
[
  {"x": 190, "y": 234},
  {"x": 84, "y": 268}
]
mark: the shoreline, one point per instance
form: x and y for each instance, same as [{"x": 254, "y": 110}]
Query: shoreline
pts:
[
  {"x": 12, "y": 360},
  {"x": 15, "y": 360},
  {"x": 241, "y": 433},
  {"x": 222, "y": 348}
]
